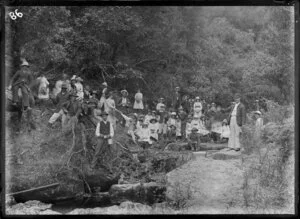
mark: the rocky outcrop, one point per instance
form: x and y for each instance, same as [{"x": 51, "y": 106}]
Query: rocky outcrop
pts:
[
  {"x": 167, "y": 161},
  {"x": 30, "y": 208},
  {"x": 147, "y": 193}
]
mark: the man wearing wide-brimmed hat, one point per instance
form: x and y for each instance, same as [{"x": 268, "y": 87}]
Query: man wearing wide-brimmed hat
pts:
[
  {"x": 104, "y": 133},
  {"x": 23, "y": 80},
  {"x": 124, "y": 102},
  {"x": 237, "y": 118}
]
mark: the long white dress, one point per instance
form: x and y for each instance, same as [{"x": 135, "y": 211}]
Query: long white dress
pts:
[
  {"x": 197, "y": 109},
  {"x": 225, "y": 131},
  {"x": 235, "y": 130},
  {"x": 43, "y": 88},
  {"x": 138, "y": 102}
]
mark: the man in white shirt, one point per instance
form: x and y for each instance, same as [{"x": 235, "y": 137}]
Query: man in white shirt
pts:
[{"x": 104, "y": 132}]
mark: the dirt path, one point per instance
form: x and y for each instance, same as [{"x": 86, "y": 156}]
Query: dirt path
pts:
[{"x": 215, "y": 185}]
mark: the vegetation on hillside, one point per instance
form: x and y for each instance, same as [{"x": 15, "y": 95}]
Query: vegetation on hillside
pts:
[{"x": 209, "y": 51}]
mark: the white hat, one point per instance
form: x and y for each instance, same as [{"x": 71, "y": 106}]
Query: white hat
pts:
[
  {"x": 79, "y": 79},
  {"x": 25, "y": 63},
  {"x": 73, "y": 77},
  {"x": 257, "y": 112},
  {"x": 104, "y": 83},
  {"x": 124, "y": 91},
  {"x": 173, "y": 113},
  {"x": 197, "y": 98}
]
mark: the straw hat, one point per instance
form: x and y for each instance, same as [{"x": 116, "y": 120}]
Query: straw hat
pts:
[
  {"x": 257, "y": 112},
  {"x": 173, "y": 114},
  {"x": 79, "y": 79},
  {"x": 124, "y": 91},
  {"x": 25, "y": 63},
  {"x": 104, "y": 84}
]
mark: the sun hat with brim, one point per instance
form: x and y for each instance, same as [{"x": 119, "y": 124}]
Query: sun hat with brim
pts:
[
  {"x": 73, "y": 77},
  {"x": 104, "y": 83},
  {"x": 161, "y": 98},
  {"x": 124, "y": 91},
  {"x": 224, "y": 121},
  {"x": 79, "y": 79},
  {"x": 257, "y": 112},
  {"x": 25, "y": 63},
  {"x": 94, "y": 92},
  {"x": 197, "y": 98},
  {"x": 173, "y": 113}
]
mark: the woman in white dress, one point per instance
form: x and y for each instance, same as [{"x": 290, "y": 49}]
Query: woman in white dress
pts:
[
  {"x": 197, "y": 108},
  {"x": 79, "y": 88},
  {"x": 138, "y": 103}
]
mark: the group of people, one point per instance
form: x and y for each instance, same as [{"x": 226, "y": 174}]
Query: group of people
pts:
[{"x": 185, "y": 119}]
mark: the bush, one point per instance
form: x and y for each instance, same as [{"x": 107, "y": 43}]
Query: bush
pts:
[{"x": 269, "y": 170}]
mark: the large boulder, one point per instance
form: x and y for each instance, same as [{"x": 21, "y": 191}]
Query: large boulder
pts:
[
  {"x": 147, "y": 193},
  {"x": 166, "y": 161},
  {"x": 30, "y": 208}
]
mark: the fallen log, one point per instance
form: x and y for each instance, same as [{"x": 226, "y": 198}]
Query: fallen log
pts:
[{"x": 53, "y": 185}]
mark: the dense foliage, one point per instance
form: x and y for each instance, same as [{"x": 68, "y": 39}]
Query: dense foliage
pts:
[{"x": 209, "y": 51}]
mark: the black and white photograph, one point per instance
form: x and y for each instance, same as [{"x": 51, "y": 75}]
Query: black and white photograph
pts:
[{"x": 122, "y": 110}]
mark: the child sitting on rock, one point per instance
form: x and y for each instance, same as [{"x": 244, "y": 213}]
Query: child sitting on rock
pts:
[{"x": 194, "y": 139}]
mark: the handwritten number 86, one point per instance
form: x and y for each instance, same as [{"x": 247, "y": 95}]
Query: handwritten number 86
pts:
[{"x": 13, "y": 16}]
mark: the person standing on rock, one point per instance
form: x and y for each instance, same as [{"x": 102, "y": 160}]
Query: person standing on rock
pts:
[
  {"x": 237, "y": 119},
  {"x": 60, "y": 99},
  {"x": 104, "y": 133}
]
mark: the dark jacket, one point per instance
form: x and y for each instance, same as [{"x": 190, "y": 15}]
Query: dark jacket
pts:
[
  {"x": 240, "y": 114},
  {"x": 24, "y": 74},
  {"x": 74, "y": 109},
  {"x": 60, "y": 100}
]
